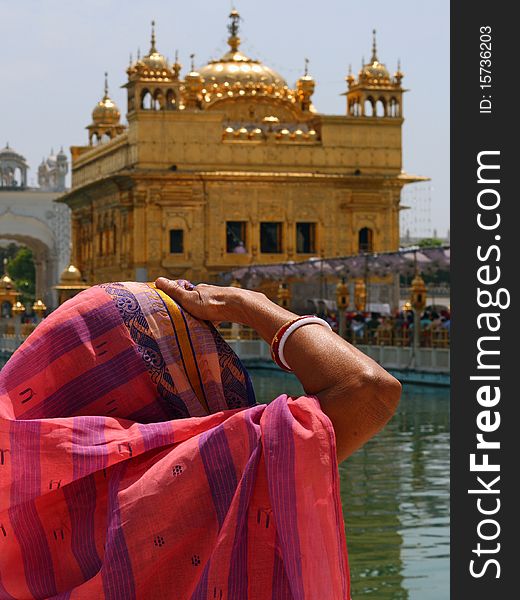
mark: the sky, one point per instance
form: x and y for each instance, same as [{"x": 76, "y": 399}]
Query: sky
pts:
[{"x": 55, "y": 52}]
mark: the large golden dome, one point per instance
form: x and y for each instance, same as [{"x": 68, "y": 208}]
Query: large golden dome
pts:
[
  {"x": 237, "y": 71},
  {"x": 236, "y": 67},
  {"x": 106, "y": 111}
]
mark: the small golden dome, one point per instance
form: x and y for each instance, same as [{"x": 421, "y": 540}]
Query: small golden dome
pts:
[
  {"x": 155, "y": 62},
  {"x": 106, "y": 111},
  {"x": 154, "y": 65},
  {"x": 71, "y": 275},
  {"x": 374, "y": 72},
  {"x": 6, "y": 283}
]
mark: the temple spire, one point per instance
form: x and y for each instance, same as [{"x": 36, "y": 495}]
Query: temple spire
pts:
[
  {"x": 374, "y": 47},
  {"x": 152, "y": 45},
  {"x": 234, "y": 19},
  {"x": 233, "y": 26}
]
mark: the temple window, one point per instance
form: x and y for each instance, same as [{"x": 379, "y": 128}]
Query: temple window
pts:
[
  {"x": 271, "y": 238},
  {"x": 171, "y": 100},
  {"x": 176, "y": 241},
  {"x": 305, "y": 238},
  {"x": 236, "y": 237},
  {"x": 146, "y": 100},
  {"x": 365, "y": 240}
]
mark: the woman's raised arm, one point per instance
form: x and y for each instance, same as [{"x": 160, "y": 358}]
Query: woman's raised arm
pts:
[{"x": 357, "y": 395}]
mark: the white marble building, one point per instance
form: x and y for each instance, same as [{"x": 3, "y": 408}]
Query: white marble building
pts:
[{"x": 29, "y": 216}]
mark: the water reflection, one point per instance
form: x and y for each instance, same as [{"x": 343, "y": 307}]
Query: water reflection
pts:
[{"x": 395, "y": 496}]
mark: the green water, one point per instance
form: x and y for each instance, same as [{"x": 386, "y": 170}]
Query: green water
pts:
[{"x": 395, "y": 495}]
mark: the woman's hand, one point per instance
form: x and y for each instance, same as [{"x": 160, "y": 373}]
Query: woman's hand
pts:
[{"x": 209, "y": 302}]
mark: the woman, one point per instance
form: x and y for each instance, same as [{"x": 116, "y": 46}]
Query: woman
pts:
[{"x": 135, "y": 464}]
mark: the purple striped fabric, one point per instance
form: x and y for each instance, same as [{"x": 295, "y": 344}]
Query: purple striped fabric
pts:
[
  {"x": 81, "y": 494},
  {"x": 220, "y": 469},
  {"x": 238, "y": 579},
  {"x": 43, "y": 350},
  {"x": 201, "y": 591},
  {"x": 25, "y": 455},
  {"x": 156, "y": 435},
  {"x": 281, "y": 587},
  {"x": 118, "y": 579},
  {"x": 279, "y": 453},
  {"x": 99, "y": 381}
]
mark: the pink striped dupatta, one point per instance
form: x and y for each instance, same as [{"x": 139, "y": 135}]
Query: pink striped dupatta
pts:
[{"x": 135, "y": 464}]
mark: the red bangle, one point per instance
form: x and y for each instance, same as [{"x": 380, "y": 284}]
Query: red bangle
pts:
[{"x": 275, "y": 343}]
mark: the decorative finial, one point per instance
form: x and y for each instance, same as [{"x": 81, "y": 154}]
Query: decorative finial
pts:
[
  {"x": 106, "y": 84},
  {"x": 130, "y": 63},
  {"x": 192, "y": 58},
  {"x": 152, "y": 46},
  {"x": 306, "y": 70},
  {"x": 176, "y": 56},
  {"x": 138, "y": 54},
  {"x": 398, "y": 74},
  {"x": 234, "y": 20},
  {"x": 350, "y": 78},
  {"x": 374, "y": 46}
]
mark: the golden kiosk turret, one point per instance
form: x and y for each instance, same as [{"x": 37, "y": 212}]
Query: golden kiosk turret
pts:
[{"x": 71, "y": 283}]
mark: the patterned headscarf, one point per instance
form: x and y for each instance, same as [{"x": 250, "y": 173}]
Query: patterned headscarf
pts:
[{"x": 125, "y": 350}]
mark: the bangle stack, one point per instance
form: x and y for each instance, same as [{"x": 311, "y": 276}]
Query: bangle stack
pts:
[{"x": 282, "y": 335}]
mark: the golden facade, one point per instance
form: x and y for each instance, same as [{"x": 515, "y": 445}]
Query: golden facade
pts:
[{"x": 229, "y": 166}]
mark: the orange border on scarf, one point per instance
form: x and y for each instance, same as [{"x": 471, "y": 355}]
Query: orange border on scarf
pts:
[{"x": 185, "y": 347}]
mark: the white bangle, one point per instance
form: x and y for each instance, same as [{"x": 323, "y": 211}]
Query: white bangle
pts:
[{"x": 292, "y": 328}]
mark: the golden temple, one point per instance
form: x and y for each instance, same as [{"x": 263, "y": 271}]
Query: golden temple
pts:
[{"x": 229, "y": 166}]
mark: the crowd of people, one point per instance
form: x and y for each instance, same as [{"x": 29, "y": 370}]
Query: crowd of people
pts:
[{"x": 376, "y": 328}]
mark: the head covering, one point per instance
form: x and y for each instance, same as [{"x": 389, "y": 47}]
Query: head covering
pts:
[
  {"x": 134, "y": 464},
  {"x": 124, "y": 350}
]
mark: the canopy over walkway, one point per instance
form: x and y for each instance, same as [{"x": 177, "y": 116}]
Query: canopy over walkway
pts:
[{"x": 405, "y": 261}]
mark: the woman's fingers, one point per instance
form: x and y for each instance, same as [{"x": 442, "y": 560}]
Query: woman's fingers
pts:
[
  {"x": 204, "y": 301},
  {"x": 172, "y": 288},
  {"x": 187, "y": 295}
]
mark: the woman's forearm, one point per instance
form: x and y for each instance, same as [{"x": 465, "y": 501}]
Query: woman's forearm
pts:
[{"x": 356, "y": 393}]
